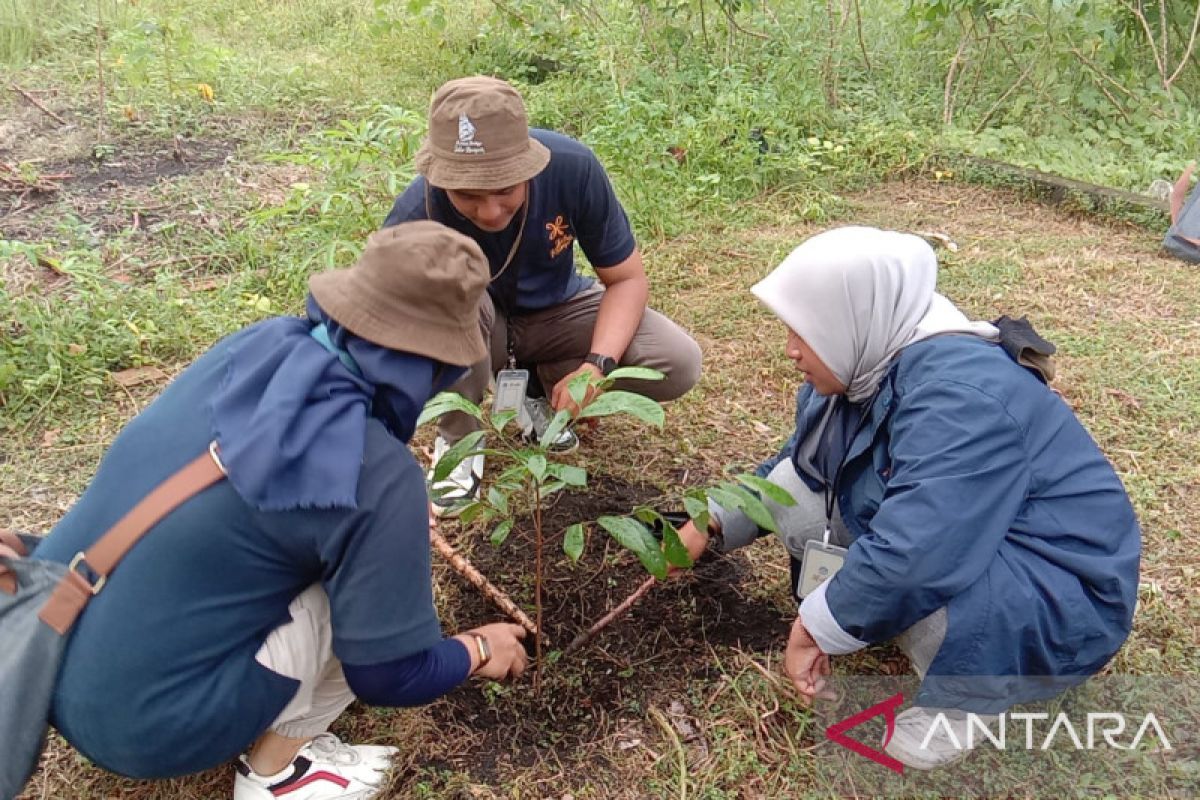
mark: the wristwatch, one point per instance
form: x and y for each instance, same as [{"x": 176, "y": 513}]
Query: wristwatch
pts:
[
  {"x": 606, "y": 364},
  {"x": 485, "y": 649}
]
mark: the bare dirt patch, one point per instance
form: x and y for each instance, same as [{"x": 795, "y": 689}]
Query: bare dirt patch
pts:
[
  {"x": 649, "y": 657},
  {"x": 105, "y": 193}
]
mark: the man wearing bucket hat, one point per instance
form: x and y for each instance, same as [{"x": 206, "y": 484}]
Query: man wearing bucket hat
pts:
[
  {"x": 526, "y": 197},
  {"x": 254, "y": 613}
]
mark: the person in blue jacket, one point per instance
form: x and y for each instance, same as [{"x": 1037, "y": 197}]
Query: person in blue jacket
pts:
[
  {"x": 253, "y": 614},
  {"x": 977, "y": 521}
]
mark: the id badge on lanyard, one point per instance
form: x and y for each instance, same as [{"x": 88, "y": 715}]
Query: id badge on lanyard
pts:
[
  {"x": 821, "y": 560},
  {"x": 510, "y": 395}
]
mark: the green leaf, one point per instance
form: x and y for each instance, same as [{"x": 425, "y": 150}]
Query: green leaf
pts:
[
  {"x": 573, "y": 541},
  {"x": 501, "y": 418},
  {"x": 501, "y": 532},
  {"x": 550, "y": 487},
  {"x": 767, "y": 489},
  {"x": 572, "y": 476},
  {"x": 444, "y": 403},
  {"x": 536, "y": 464},
  {"x": 694, "y": 506},
  {"x": 498, "y": 499},
  {"x": 514, "y": 477},
  {"x": 645, "y": 409},
  {"x": 635, "y": 373},
  {"x": 560, "y": 421},
  {"x": 725, "y": 499},
  {"x": 673, "y": 547},
  {"x": 697, "y": 509},
  {"x": 646, "y": 514},
  {"x": 634, "y": 536},
  {"x": 454, "y": 456},
  {"x": 753, "y": 507},
  {"x": 577, "y": 387},
  {"x": 474, "y": 511}
]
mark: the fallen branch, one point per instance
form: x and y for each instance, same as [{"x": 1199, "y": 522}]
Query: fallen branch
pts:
[
  {"x": 618, "y": 612},
  {"x": 35, "y": 102},
  {"x": 14, "y": 181},
  {"x": 476, "y": 579}
]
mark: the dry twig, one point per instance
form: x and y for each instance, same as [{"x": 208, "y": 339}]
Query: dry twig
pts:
[
  {"x": 17, "y": 182},
  {"x": 476, "y": 579},
  {"x": 37, "y": 104},
  {"x": 618, "y": 612}
]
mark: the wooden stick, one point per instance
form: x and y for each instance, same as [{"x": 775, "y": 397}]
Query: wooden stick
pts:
[
  {"x": 34, "y": 100},
  {"x": 476, "y": 579},
  {"x": 618, "y": 612}
]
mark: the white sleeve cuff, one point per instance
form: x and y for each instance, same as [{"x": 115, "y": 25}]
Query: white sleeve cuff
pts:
[{"x": 819, "y": 621}]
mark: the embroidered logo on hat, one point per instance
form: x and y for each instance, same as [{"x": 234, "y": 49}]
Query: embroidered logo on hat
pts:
[{"x": 466, "y": 137}]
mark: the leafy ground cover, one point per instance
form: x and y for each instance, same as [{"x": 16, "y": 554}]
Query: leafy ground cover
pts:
[{"x": 185, "y": 217}]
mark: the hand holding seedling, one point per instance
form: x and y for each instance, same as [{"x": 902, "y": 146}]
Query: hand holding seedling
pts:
[
  {"x": 560, "y": 396},
  {"x": 508, "y": 658},
  {"x": 806, "y": 665}
]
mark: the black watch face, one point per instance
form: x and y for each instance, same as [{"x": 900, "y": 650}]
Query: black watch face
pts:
[{"x": 605, "y": 364}]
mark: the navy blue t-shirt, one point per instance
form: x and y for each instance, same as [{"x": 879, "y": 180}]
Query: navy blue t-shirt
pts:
[
  {"x": 570, "y": 200},
  {"x": 159, "y": 677}
]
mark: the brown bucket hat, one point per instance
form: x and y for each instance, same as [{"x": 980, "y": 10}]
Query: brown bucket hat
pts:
[
  {"x": 479, "y": 137},
  {"x": 415, "y": 288}
]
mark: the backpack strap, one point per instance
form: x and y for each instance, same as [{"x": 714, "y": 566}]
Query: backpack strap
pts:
[{"x": 76, "y": 589}]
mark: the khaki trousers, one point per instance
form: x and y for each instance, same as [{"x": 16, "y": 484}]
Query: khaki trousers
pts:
[{"x": 303, "y": 650}]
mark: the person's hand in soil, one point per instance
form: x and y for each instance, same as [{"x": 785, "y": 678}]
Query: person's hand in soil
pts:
[
  {"x": 560, "y": 396},
  {"x": 806, "y": 665},
  {"x": 695, "y": 540},
  {"x": 509, "y": 658}
]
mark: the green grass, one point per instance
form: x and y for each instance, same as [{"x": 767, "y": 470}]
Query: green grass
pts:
[{"x": 140, "y": 260}]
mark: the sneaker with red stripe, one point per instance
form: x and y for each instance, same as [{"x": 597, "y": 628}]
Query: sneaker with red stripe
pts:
[{"x": 324, "y": 769}]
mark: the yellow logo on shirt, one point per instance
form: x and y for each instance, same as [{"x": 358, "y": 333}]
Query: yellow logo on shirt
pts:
[{"x": 560, "y": 235}]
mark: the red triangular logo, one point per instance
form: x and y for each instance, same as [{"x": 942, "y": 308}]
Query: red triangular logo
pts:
[{"x": 837, "y": 732}]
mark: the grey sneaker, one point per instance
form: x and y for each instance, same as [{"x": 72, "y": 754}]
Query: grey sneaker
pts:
[
  {"x": 540, "y": 414},
  {"x": 927, "y": 738}
]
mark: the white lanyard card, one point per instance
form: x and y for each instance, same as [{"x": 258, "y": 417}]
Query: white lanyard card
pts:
[
  {"x": 510, "y": 395},
  {"x": 821, "y": 562}
]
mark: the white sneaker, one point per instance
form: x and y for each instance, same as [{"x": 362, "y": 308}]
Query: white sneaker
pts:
[
  {"x": 927, "y": 738},
  {"x": 540, "y": 416},
  {"x": 324, "y": 769},
  {"x": 460, "y": 487}
]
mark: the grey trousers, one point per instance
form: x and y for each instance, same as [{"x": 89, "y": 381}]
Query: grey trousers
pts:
[
  {"x": 555, "y": 341},
  {"x": 806, "y": 520}
]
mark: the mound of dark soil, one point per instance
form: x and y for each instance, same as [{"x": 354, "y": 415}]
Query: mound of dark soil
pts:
[{"x": 649, "y": 656}]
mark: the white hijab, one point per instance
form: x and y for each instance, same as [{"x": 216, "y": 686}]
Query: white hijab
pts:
[{"x": 858, "y": 296}]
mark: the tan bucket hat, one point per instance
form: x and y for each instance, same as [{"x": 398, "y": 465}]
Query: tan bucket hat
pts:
[
  {"x": 416, "y": 288},
  {"x": 479, "y": 137}
]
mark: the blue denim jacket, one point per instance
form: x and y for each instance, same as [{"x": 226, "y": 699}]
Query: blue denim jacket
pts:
[{"x": 973, "y": 486}]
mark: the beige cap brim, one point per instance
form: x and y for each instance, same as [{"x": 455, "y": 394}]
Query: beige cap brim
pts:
[
  {"x": 443, "y": 339},
  {"x": 470, "y": 172}
]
